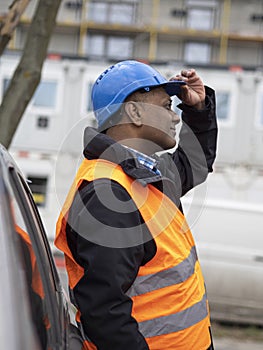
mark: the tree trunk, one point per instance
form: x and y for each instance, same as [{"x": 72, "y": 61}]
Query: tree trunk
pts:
[
  {"x": 10, "y": 22},
  {"x": 28, "y": 72}
]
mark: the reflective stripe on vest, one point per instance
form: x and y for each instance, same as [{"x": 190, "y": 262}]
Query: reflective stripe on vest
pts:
[
  {"x": 175, "y": 322},
  {"x": 165, "y": 278},
  {"x": 169, "y": 298}
]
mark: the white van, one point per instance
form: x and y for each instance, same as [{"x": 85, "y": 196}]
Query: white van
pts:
[{"x": 227, "y": 223}]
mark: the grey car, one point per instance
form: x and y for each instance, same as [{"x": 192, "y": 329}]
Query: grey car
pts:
[{"x": 34, "y": 308}]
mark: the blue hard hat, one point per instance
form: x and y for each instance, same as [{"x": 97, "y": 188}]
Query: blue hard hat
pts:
[{"x": 117, "y": 82}]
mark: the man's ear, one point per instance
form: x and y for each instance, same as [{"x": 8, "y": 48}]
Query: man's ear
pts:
[{"x": 133, "y": 111}]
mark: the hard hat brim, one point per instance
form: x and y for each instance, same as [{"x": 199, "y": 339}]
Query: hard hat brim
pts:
[{"x": 173, "y": 87}]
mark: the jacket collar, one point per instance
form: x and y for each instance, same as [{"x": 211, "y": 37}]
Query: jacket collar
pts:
[{"x": 98, "y": 145}]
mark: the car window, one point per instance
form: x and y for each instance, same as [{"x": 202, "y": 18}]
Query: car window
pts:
[
  {"x": 34, "y": 283},
  {"x": 38, "y": 270},
  {"x": 14, "y": 301}
]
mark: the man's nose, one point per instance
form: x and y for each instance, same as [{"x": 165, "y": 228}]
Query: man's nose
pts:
[{"x": 175, "y": 118}]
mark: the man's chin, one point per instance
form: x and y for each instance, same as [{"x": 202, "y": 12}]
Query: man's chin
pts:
[{"x": 169, "y": 145}]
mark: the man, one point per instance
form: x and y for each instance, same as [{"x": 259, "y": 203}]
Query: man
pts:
[{"x": 134, "y": 274}]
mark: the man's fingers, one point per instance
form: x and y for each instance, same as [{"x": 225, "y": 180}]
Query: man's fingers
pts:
[{"x": 188, "y": 72}]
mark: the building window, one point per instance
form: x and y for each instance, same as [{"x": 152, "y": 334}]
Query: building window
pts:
[
  {"x": 5, "y": 85},
  {"x": 119, "y": 47},
  {"x": 197, "y": 52},
  {"x": 97, "y": 12},
  {"x": 122, "y": 13},
  {"x": 86, "y": 104},
  {"x": 88, "y": 97},
  {"x": 38, "y": 186},
  {"x": 45, "y": 95},
  {"x": 201, "y": 14},
  {"x": 261, "y": 112},
  {"x": 113, "y": 47},
  {"x": 200, "y": 19},
  {"x": 175, "y": 102},
  {"x": 95, "y": 45},
  {"x": 222, "y": 105},
  {"x": 111, "y": 12}
]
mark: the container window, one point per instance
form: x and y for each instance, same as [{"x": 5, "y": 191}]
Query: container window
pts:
[
  {"x": 45, "y": 95},
  {"x": 197, "y": 52},
  {"x": 222, "y": 105},
  {"x": 38, "y": 186}
]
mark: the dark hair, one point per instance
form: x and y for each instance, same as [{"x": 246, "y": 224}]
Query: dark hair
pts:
[{"x": 113, "y": 120}]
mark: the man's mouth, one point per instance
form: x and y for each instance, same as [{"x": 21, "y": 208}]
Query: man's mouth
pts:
[{"x": 173, "y": 131}]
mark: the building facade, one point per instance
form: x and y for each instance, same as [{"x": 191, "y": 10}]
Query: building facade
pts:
[{"x": 206, "y": 32}]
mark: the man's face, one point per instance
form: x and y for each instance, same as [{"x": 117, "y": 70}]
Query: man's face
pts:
[{"x": 159, "y": 121}]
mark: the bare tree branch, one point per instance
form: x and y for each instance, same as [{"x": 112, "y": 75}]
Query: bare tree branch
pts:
[
  {"x": 8, "y": 25},
  {"x": 28, "y": 73}
]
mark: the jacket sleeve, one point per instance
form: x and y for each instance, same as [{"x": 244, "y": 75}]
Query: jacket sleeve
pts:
[
  {"x": 111, "y": 262},
  {"x": 193, "y": 159}
]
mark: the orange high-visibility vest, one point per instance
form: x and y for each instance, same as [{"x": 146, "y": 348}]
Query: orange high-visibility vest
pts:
[{"x": 169, "y": 297}]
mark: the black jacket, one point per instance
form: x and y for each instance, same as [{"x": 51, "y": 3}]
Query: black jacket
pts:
[{"x": 97, "y": 231}]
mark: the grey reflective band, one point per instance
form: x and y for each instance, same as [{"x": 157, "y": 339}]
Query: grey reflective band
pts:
[
  {"x": 175, "y": 322},
  {"x": 165, "y": 278}
]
